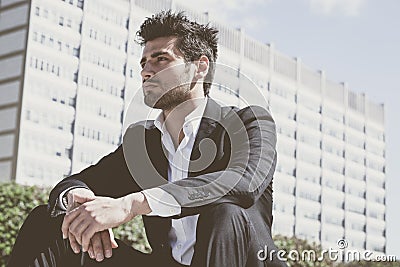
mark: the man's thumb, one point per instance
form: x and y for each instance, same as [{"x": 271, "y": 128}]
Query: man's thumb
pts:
[
  {"x": 80, "y": 199},
  {"x": 114, "y": 243}
]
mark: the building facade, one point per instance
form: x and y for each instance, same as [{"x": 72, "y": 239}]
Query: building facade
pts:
[{"x": 68, "y": 72}]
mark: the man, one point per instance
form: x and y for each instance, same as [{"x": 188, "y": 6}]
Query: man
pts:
[{"x": 200, "y": 174}]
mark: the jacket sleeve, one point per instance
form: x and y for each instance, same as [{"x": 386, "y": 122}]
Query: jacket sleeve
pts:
[
  {"x": 109, "y": 177},
  {"x": 249, "y": 172}
]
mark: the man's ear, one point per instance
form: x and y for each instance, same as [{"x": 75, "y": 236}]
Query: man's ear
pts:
[{"x": 202, "y": 65}]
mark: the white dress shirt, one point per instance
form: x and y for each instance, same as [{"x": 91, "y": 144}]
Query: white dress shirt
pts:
[{"x": 182, "y": 235}]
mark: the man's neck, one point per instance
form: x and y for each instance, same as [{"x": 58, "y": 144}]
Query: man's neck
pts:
[{"x": 175, "y": 118}]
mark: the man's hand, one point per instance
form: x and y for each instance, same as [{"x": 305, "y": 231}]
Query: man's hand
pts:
[
  {"x": 103, "y": 242},
  {"x": 102, "y": 213},
  {"x": 75, "y": 198},
  {"x": 101, "y": 245}
]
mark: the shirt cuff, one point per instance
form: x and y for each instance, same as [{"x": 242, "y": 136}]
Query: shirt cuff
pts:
[{"x": 161, "y": 203}]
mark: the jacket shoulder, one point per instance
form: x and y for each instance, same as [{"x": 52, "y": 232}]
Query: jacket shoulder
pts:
[
  {"x": 248, "y": 113},
  {"x": 147, "y": 124}
]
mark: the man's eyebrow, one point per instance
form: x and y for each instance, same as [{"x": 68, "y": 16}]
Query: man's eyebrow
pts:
[{"x": 155, "y": 54}]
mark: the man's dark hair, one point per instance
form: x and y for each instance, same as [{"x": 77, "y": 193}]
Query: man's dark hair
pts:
[{"x": 193, "y": 39}]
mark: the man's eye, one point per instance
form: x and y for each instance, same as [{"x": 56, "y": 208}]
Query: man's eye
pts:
[{"x": 161, "y": 58}]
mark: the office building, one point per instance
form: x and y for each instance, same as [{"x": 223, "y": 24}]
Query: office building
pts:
[{"x": 69, "y": 69}]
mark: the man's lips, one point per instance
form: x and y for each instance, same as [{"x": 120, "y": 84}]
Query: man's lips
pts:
[{"x": 149, "y": 85}]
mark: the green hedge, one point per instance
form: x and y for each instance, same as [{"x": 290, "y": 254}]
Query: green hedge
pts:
[{"x": 17, "y": 201}]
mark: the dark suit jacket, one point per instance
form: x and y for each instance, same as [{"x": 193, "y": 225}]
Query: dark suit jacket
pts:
[{"x": 233, "y": 160}]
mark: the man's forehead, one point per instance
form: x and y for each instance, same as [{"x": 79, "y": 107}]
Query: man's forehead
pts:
[{"x": 161, "y": 44}]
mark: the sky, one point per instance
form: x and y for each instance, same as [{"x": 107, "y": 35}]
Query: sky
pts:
[{"x": 353, "y": 41}]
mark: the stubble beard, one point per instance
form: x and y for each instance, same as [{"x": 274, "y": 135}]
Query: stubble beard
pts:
[{"x": 170, "y": 99}]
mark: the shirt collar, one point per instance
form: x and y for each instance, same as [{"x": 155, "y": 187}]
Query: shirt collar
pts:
[{"x": 192, "y": 120}]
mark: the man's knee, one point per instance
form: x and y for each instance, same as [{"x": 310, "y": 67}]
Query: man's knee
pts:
[
  {"x": 38, "y": 221},
  {"x": 38, "y": 215},
  {"x": 40, "y": 210},
  {"x": 222, "y": 236}
]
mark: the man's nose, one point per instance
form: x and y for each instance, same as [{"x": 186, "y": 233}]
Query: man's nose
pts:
[{"x": 147, "y": 72}]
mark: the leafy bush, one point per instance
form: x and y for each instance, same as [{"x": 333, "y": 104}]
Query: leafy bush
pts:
[
  {"x": 133, "y": 234},
  {"x": 16, "y": 201}
]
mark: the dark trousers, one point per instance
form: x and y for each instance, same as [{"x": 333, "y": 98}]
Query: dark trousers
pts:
[{"x": 225, "y": 237}]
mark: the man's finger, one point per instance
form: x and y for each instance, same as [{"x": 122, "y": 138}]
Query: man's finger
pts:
[
  {"x": 77, "y": 227},
  {"x": 87, "y": 236},
  {"x": 96, "y": 242},
  {"x": 68, "y": 218},
  {"x": 80, "y": 199},
  {"x": 114, "y": 243},
  {"x": 73, "y": 243},
  {"x": 106, "y": 240},
  {"x": 91, "y": 251},
  {"x": 71, "y": 203}
]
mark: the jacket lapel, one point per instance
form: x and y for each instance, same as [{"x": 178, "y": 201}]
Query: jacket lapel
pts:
[
  {"x": 157, "y": 152},
  {"x": 209, "y": 122}
]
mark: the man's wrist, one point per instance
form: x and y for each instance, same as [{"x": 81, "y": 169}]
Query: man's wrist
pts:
[
  {"x": 63, "y": 197},
  {"x": 144, "y": 204},
  {"x": 77, "y": 196},
  {"x": 161, "y": 203},
  {"x": 138, "y": 204}
]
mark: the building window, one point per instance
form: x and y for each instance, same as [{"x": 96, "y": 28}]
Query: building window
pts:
[
  {"x": 61, "y": 21},
  {"x": 75, "y": 52},
  {"x": 37, "y": 11},
  {"x": 35, "y": 36},
  {"x": 80, "y": 4},
  {"x": 28, "y": 115}
]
